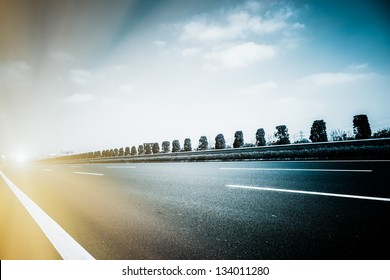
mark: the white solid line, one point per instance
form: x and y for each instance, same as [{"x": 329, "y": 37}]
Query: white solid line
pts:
[
  {"x": 86, "y": 173},
  {"x": 296, "y": 169},
  {"x": 66, "y": 246},
  {"x": 335, "y": 160},
  {"x": 312, "y": 193}
]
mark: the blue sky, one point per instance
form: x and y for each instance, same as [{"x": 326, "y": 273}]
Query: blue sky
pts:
[{"x": 92, "y": 75}]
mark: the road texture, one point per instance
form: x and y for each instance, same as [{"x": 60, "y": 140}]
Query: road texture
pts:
[{"x": 204, "y": 210}]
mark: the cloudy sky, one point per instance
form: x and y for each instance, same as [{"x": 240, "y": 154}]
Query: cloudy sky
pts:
[{"x": 91, "y": 75}]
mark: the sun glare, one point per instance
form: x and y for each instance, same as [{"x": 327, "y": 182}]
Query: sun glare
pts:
[{"x": 20, "y": 157}]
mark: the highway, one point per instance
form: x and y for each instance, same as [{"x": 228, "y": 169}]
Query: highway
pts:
[{"x": 198, "y": 210}]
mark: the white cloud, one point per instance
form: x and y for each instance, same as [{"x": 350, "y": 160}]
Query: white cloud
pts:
[
  {"x": 14, "y": 73},
  {"x": 110, "y": 101},
  {"x": 201, "y": 31},
  {"x": 15, "y": 66},
  {"x": 358, "y": 66},
  {"x": 81, "y": 77},
  {"x": 288, "y": 101},
  {"x": 332, "y": 79},
  {"x": 259, "y": 89},
  {"x": 126, "y": 88},
  {"x": 238, "y": 24},
  {"x": 246, "y": 34},
  {"x": 240, "y": 55},
  {"x": 159, "y": 43},
  {"x": 62, "y": 56},
  {"x": 252, "y": 6},
  {"x": 188, "y": 52},
  {"x": 79, "y": 98}
]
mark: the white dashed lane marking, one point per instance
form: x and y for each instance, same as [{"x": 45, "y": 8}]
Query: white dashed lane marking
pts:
[
  {"x": 121, "y": 167},
  {"x": 310, "y": 193},
  {"x": 297, "y": 169},
  {"x": 86, "y": 173}
]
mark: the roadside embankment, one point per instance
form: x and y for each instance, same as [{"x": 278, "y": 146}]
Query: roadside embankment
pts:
[{"x": 371, "y": 149}]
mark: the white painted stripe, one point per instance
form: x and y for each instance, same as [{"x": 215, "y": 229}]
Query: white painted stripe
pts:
[
  {"x": 86, "y": 173},
  {"x": 296, "y": 169},
  {"x": 320, "y": 161},
  {"x": 331, "y": 160},
  {"x": 122, "y": 167},
  {"x": 66, "y": 246},
  {"x": 312, "y": 193}
]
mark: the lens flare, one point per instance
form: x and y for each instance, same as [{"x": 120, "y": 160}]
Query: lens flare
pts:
[{"x": 20, "y": 157}]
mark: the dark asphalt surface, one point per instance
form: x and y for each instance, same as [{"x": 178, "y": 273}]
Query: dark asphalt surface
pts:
[{"x": 186, "y": 210}]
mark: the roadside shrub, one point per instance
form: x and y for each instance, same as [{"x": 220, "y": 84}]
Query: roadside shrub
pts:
[
  {"x": 148, "y": 149},
  {"x": 156, "y": 148},
  {"x": 318, "y": 131},
  {"x": 140, "y": 149},
  {"x": 282, "y": 136},
  {"x": 238, "y": 139},
  {"x": 203, "y": 143},
  {"x": 175, "y": 146},
  {"x": 361, "y": 127},
  {"x": 166, "y": 146},
  {"x": 384, "y": 133},
  {"x": 187, "y": 144},
  {"x": 220, "y": 142},
  {"x": 260, "y": 137}
]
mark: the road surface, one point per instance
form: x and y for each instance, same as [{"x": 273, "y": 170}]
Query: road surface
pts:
[{"x": 204, "y": 210}]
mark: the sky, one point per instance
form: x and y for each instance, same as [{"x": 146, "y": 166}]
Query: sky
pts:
[{"x": 89, "y": 75}]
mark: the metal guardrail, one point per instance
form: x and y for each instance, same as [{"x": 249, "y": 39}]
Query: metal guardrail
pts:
[{"x": 194, "y": 155}]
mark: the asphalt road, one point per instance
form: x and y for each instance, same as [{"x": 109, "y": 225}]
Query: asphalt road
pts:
[{"x": 204, "y": 210}]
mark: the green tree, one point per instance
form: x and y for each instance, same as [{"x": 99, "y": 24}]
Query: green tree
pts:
[
  {"x": 187, "y": 144},
  {"x": 127, "y": 151},
  {"x": 238, "y": 139},
  {"x": 302, "y": 141},
  {"x": 148, "y": 149},
  {"x": 203, "y": 143},
  {"x": 220, "y": 141},
  {"x": 282, "y": 136},
  {"x": 166, "y": 146},
  {"x": 361, "y": 127},
  {"x": 175, "y": 146},
  {"x": 318, "y": 131},
  {"x": 383, "y": 133},
  {"x": 140, "y": 149},
  {"x": 97, "y": 154},
  {"x": 156, "y": 148},
  {"x": 133, "y": 151},
  {"x": 260, "y": 137}
]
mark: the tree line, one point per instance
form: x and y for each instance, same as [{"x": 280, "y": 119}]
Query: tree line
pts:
[{"x": 318, "y": 133}]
